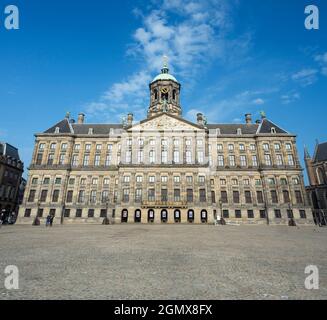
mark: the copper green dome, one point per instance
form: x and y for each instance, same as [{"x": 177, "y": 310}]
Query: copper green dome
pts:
[{"x": 164, "y": 75}]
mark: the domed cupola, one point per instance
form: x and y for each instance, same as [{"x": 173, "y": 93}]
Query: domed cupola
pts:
[{"x": 165, "y": 93}]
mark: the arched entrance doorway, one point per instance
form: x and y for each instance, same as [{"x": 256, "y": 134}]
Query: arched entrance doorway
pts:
[
  {"x": 190, "y": 216},
  {"x": 177, "y": 216},
  {"x": 151, "y": 216},
  {"x": 164, "y": 216},
  {"x": 137, "y": 216},
  {"x": 204, "y": 216},
  {"x": 124, "y": 216}
]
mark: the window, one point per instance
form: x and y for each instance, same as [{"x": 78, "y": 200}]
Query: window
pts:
[
  {"x": 152, "y": 142},
  {"x": 138, "y": 195},
  {"x": 298, "y": 196},
  {"x": 252, "y": 147},
  {"x": 164, "y": 156},
  {"x": 46, "y": 181},
  {"x": 189, "y": 179},
  {"x": 139, "y": 179},
  {"x": 164, "y": 195},
  {"x": 109, "y": 147},
  {"x": 259, "y": 196},
  {"x": 177, "y": 195},
  {"x": 83, "y": 181},
  {"x": 64, "y": 146},
  {"x": 176, "y": 143},
  {"x": 278, "y": 214},
  {"x": 271, "y": 181},
  {"x": 188, "y": 157},
  {"x": 231, "y": 147},
  {"x": 40, "y": 213},
  {"x": 290, "y": 160},
  {"x": 223, "y": 197},
  {"x": 222, "y": 182},
  {"x": 103, "y": 213},
  {"x": 97, "y": 160},
  {"x": 126, "y": 195},
  {"x": 81, "y": 196},
  {"x": 62, "y": 159},
  {"x": 128, "y": 156},
  {"x": 248, "y": 197},
  {"x": 176, "y": 156},
  {"x": 219, "y": 147},
  {"x": 277, "y": 146},
  {"x": 95, "y": 181},
  {"x": 234, "y": 182},
  {"x": 79, "y": 213},
  {"x": 69, "y": 198},
  {"x": 126, "y": 179},
  {"x": 242, "y": 147},
  {"x": 290, "y": 214},
  {"x": 108, "y": 160},
  {"x": 151, "y": 195},
  {"x": 188, "y": 142},
  {"x": 50, "y": 159},
  {"x": 238, "y": 214},
  {"x": 288, "y": 146},
  {"x": 90, "y": 213},
  {"x": 220, "y": 161},
  {"x": 152, "y": 179},
  {"x": 225, "y": 214},
  {"x": 164, "y": 142},
  {"x": 77, "y": 147},
  {"x": 35, "y": 181},
  {"x": 75, "y": 160},
  {"x": 129, "y": 142},
  {"x": 279, "y": 159},
  {"x": 199, "y": 142},
  {"x": 274, "y": 197},
  {"x": 152, "y": 156},
  {"x": 141, "y": 142},
  {"x": 250, "y": 214},
  {"x": 236, "y": 197},
  {"x": 243, "y": 161},
  {"x": 177, "y": 179},
  {"x": 232, "y": 161},
  {"x": 44, "y": 194},
  {"x": 200, "y": 157},
  {"x": 140, "y": 156},
  {"x": 87, "y": 147},
  {"x": 202, "y": 193},
  {"x": 265, "y": 147},
  {"x": 93, "y": 196},
  {"x": 39, "y": 159},
  {"x": 267, "y": 160},
  {"x": 213, "y": 196},
  {"x": 53, "y": 146},
  {"x": 189, "y": 195},
  {"x": 55, "y": 196},
  {"x": 86, "y": 160},
  {"x": 303, "y": 214},
  {"x": 283, "y": 181},
  {"x": 246, "y": 182},
  {"x": 41, "y": 146},
  {"x": 286, "y": 196},
  {"x": 67, "y": 213},
  {"x": 71, "y": 181},
  {"x": 263, "y": 214},
  {"x": 31, "y": 196},
  {"x": 27, "y": 213},
  {"x": 296, "y": 181},
  {"x": 104, "y": 196}
]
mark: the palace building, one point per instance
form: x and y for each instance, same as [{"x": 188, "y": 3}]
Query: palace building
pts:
[{"x": 166, "y": 169}]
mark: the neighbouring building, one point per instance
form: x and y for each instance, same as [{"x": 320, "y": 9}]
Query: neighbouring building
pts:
[
  {"x": 317, "y": 189},
  {"x": 166, "y": 169},
  {"x": 11, "y": 170}
]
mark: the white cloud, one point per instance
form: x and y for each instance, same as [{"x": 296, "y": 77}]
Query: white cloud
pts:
[
  {"x": 191, "y": 33},
  {"x": 258, "y": 101},
  {"x": 322, "y": 60},
  {"x": 305, "y": 77},
  {"x": 290, "y": 97}
]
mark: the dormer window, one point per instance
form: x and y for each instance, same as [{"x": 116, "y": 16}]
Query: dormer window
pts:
[
  {"x": 57, "y": 130},
  {"x": 90, "y": 131},
  {"x": 218, "y": 132},
  {"x": 273, "y": 130},
  {"x": 239, "y": 131}
]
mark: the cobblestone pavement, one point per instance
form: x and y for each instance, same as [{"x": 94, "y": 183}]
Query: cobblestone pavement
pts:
[{"x": 163, "y": 261}]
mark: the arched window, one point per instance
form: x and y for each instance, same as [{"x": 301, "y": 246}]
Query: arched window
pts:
[
  {"x": 190, "y": 216},
  {"x": 151, "y": 215},
  {"x": 155, "y": 91},
  {"x": 124, "y": 216},
  {"x": 164, "y": 216},
  {"x": 174, "y": 94},
  {"x": 177, "y": 216},
  {"x": 204, "y": 216},
  {"x": 137, "y": 217}
]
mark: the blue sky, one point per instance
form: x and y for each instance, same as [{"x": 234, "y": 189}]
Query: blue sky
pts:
[{"x": 231, "y": 57}]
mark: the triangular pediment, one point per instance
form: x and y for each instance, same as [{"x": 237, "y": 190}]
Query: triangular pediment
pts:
[{"x": 166, "y": 122}]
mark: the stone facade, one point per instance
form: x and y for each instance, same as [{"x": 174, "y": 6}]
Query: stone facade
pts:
[
  {"x": 317, "y": 189},
  {"x": 166, "y": 169},
  {"x": 11, "y": 170}
]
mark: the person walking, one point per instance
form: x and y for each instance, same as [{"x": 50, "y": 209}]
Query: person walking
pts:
[
  {"x": 48, "y": 221},
  {"x": 51, "y": 220}
]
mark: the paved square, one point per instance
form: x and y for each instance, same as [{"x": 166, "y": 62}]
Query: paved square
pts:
[{"x": 163, "y": 261}]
